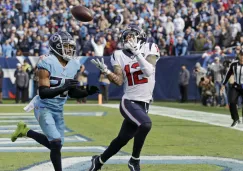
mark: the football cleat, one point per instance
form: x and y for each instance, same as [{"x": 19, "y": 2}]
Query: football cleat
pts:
[
  {"x": 134, "y": 165},
  {"x": 21, "y": 131},
  {"x": 235, "y": 123},
  {"x": 96, "y": 165}
]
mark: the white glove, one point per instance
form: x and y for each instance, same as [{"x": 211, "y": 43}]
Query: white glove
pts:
[
  {"x": 101, "y": 66},
  {"x": 133, "y": 46}
]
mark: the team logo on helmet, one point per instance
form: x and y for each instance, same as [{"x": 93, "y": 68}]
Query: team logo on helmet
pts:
[{"x": 63, "y": 45}]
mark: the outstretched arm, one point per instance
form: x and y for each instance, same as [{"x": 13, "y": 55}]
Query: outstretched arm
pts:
[
  {"x": 80, "y": 93},
  {"x": 116, "y": 77},
  {"x": 45, "y": 92}
]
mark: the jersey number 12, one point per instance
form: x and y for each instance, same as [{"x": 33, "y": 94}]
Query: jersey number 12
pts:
[{"x": 133, "y": 78}]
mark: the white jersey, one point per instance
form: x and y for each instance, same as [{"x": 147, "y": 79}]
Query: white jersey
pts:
[{"x": 137, "y": 87}]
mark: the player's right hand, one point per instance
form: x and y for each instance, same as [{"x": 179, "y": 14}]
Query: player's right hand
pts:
[
  {"x": 92, "y": 90},
  {"x": 133, "y": 46},
  {"x": 70, "y": 84},
  {"x": 100, "y": 64}
]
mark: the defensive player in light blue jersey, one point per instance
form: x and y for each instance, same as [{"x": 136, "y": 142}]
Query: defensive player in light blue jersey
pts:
[{"x": 56, "y": 81}]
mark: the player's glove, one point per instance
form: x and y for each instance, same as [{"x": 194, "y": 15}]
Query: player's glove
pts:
[
  {"x": 133, "y": 46},
  {"x": 101, "y": 66},
  {"x": 92, "y": 90},
  {"x": 70, "y": 84}
]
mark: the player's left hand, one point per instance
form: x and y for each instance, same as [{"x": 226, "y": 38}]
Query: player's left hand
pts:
[
  {"x": 92, "y": 90},
  {"x": 101, "y": 65},
  {"x": 134, "y": 46}
]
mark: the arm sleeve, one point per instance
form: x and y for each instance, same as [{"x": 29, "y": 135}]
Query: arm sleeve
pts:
[
  {"x": 228, "y": 74},
  {"x": 47, "y": 93},
  {"x": 77, "y": 93},
  {"x": 147, "y": 68}
]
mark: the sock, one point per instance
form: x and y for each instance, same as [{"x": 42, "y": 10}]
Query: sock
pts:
[
  {"x": 40, "y": 138},
  {"x": 139, "y": 139},
  {"x": 101, "y": 160},
  {"x": 135, "y": 158},
  {"x": 55, "y": 155}
]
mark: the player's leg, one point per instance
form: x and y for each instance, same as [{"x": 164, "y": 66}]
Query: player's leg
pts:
[
  {"x": 137, "y": 112},
  {"x": 23, "y": 131},
  {"x": 56, "y": 149},
  {"x": 48, "y": 126},
  {"x": 127, "y": 132}
]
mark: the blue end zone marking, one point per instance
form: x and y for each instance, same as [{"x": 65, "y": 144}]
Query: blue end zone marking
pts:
[
  {"x": 17, "y": 116},
  {"x": 91, "y": 149},
  {"x": 68, "y": 130},
  {"x": 84, "y": 137},
  {"x": 83, "y": 163},
  {"x": 6, "y": 142}
]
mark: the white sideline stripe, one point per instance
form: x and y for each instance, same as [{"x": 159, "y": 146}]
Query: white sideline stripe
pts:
[
  {"x": 45, "y": 149},
  {"x": 15, "y": 126},
  {"x": 14, "y": 105},
  {"x": 16, "y": 115},
  {"x": 191, "y": 115},
  {"x": 29, "y": 139},
  {"x": 67, "y": 162},
  {"x": 17, "y": 120},
  {"x": 10, "y": 131},
  {"x": 31, "y": 115},
  {"x": 19, "y": 141}
]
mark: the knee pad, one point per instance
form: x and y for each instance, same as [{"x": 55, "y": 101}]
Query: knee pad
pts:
[
  {"x": 55, "y": 145},
  {"x": 145, "y": 127}
]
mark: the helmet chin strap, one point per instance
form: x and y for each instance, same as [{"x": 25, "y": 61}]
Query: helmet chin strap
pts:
[
  {"x": 64, "y": 56},
  {"x": 65, "y": 52}
]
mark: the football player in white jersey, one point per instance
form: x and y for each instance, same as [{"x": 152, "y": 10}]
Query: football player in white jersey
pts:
[{"x": 134, "y": 66}]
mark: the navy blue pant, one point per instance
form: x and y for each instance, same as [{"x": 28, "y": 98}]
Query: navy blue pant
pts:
[
  {"x": 134, "y": 112},
  {"x": 136, "y": 124}
]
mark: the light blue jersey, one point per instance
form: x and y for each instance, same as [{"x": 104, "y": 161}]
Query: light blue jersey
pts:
[
  {"x": 49, "y": 112},
  {"x": 58, "y": 74}
]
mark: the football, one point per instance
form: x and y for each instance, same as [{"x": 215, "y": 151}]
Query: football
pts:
[{"x": 82, "y": 13}]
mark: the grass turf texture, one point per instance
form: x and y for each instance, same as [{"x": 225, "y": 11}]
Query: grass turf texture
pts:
[{"x": 168, "y": 137}]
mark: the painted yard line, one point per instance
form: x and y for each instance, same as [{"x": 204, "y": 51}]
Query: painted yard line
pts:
[
  {"x": 10, "y": 131},
  {"x": 14, "y": 105},
  {"x": 83, "y": 163},
  {"x": 5, "y": 127},
  {"x": 31, "y": 115},
  {"x": 6, "y": 142},
  {"x": 197, "y": 116},
  {"x": 94, "y": 149},
  {"x": 16, "y": 121}
]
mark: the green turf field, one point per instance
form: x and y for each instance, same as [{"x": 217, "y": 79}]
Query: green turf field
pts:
[{"x": 168, "y": 137}]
